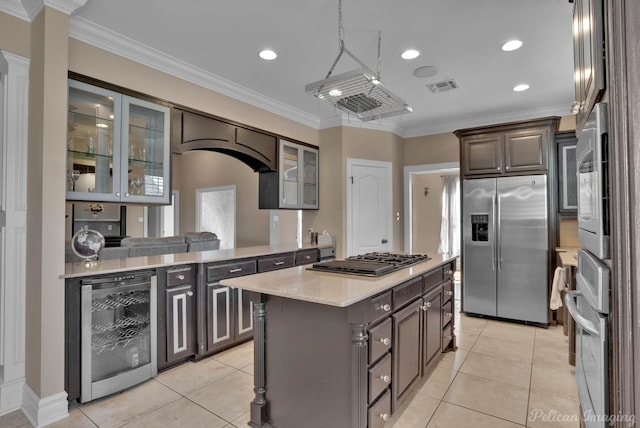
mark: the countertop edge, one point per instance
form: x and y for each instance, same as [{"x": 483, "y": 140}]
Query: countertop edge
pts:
[
  {"x": 78, "y": 269},
  {"x": 298, "y": 283}
]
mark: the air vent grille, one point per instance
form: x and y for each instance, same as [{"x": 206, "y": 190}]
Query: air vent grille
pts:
[{"x": 444, "y": 86}]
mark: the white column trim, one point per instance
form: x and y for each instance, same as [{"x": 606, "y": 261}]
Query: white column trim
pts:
[
  {"x": 14, "y": 95},
  {"x": 43, "y": 411}
]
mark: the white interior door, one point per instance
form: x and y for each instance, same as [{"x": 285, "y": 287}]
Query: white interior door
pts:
[{"x": 369, "y": 206}]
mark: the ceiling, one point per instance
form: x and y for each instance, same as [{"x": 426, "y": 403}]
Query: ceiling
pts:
[{"x": 216, "y": 44}]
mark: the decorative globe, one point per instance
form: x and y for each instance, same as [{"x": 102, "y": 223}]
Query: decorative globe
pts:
[{"x": 86, "y": 243}]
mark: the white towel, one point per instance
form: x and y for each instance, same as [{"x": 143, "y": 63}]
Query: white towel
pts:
[{"x": 559, "y": 285}]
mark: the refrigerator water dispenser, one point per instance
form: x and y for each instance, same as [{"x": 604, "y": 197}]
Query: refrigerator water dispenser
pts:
[{"x": 480, "y": 227}]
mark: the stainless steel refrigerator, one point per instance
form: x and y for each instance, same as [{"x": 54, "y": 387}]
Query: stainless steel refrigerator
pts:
[{"x": 505, "y": 248}]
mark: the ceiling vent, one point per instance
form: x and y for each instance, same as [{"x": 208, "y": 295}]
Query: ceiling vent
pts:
[{"x": 444, "y": 86}]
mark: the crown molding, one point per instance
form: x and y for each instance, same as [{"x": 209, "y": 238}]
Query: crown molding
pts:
[
  {"x": 14, "y": 8},
  {"x": 27, "y": 10},
  {"x": 444, "y": 126}
]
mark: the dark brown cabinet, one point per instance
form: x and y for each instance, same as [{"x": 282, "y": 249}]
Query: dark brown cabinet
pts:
[
  {"x": 512, "y": 148},
  {"x": 567, "y": 174},
  {"x": 225, "y": 314},
  {"x": 176, "y": 315},
  {"x": 406, "y": 350},
  {"x": 432, "y": 326},
  {"x": 304, "y": 257},
  {"x": 589, "y": 61},
  {"x": 198, "y": 131},
  {"x": 295, "y": 184}
]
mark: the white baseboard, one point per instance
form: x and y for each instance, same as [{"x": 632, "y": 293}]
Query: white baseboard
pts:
[
  {"x": 11, "y": 396},
  {"x": 43, "y": 411}
]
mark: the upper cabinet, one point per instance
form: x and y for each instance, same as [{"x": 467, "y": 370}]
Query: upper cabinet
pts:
[
  {"x": 512, "y": 148},
  {"x": 194, "y": 131},
  {"x": 589, "y": 62},
  {"x": 295, "y": 184},
  {"x": 567, "y": 174},
  {"x": 117, "y": 147}
]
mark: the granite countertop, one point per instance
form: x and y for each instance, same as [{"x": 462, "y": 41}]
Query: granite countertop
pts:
[
  {"x": 74, "y": 270},
  {"x": 326, "y": 288},
  {"x": 568, "y": 255}
]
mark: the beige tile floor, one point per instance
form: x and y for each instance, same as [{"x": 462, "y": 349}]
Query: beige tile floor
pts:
[{"x": 503, "y": 375}]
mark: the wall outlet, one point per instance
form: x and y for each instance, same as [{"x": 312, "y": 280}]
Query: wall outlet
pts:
[
  {"x": 109, "y": 227},
  {"x": 140, "y": 219}
]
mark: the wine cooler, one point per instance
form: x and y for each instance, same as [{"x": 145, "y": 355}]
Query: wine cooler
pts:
[{"x": 118, "y": 333}]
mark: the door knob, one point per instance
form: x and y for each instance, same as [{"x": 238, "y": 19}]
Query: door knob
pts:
[{"x": 384, "y": 241}]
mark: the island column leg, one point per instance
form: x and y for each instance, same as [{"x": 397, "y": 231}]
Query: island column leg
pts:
[
  {"x": 359, "y": 355},
  {"x": 259, "y": 403}
]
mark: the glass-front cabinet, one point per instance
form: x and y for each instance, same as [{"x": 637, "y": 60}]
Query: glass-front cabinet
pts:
[
  {"x": 298, "y": 167},
  {"x": 117, "y": 147}
]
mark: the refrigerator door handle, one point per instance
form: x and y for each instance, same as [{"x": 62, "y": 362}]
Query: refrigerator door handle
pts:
[
  {"x": 499, "y": 235},
  {"x": 493, "y": 214}
]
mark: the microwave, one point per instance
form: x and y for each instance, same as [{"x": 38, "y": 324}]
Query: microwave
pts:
[{"x": 592, "y": 154}]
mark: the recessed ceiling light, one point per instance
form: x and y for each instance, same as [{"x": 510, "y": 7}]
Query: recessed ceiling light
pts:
[
  {"x": 335, "y": 92},
  {"x": 511, "y": 45},
  {"x": 410, "y": 54},
  {"x": 521, "y": 87},
  {"x": 268, "y": 54}
]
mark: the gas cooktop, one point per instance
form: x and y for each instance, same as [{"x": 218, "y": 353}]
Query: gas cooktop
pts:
[{"x": 370, "y": 264}]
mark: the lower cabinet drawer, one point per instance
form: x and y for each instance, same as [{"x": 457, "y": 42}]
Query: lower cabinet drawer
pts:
[
  {"x": 179, "y": 276},
  {"x": 230, "y": 270},
  {"x": 379, "y": 377},
  {"x": 280, "y": 261},
  {"x": 447, "y": 312},
  {"x": 447, "y": 336},
  {"x": 304, "y": 257},
  {"x": 380, "y": 412},
  {"x": 447, "y": 291},
  {"x": 379, "y": 340}
]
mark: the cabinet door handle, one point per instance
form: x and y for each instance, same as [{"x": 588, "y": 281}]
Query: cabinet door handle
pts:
[
  {"x": 384, "y": 416},
  {"x": 386, "y": 307},
  {"x": 189, "y": 293},
  {"x": 278, "y": 263},
  {"x": 449, "y": 293},
  {"x": 117, "y": 193},
  {"x": 385, "y": 378},
  {"x": 180, "y": 277},
  {"x": 426, "y": 306},
  {"x": 385, "y": 341},
  {"x": 449, "y": 272},
  {"x": 235, "y": 270},
  {"x": 450, "y": 314}
]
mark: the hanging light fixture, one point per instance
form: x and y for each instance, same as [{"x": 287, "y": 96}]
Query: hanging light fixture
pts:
[{"x": 358, "y": 91}]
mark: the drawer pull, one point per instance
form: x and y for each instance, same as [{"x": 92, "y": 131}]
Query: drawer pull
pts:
[
  {"x": 278, "y": 263},
  {"x": 307, "y": 257},
  {"x": 189, "y": 293},
  {"x": 385, "y": 416},
  {"x": 180, "y": 277},
  {"x": 385, "y": 378},
  {"x": 386, "y": 307},
  {"x": 449, "y": 272},
  {"x": 385, "y": 341},
  {"x": 235, "y": 270}
]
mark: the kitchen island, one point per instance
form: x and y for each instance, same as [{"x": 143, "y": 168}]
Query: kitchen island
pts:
[{"x": 334, "y": 350}]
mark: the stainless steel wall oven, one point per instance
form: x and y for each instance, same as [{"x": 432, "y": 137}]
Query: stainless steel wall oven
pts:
[
  {"x": 593, "y": 183},
  {"x": 589, "y": 307},
  {"x": 117, "y": 332}
]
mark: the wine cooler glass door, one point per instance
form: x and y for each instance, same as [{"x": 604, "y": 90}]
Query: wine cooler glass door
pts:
[{"x": 118, "y": 335}]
